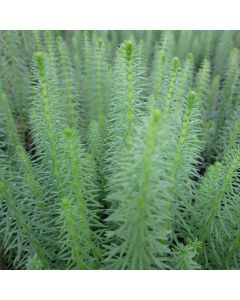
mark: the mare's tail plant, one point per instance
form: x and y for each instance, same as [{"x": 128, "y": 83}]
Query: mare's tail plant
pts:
[{"x": 119, "y": 150}]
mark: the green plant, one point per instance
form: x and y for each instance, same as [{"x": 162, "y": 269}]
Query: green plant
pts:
[{"x": 119, "y": 150}]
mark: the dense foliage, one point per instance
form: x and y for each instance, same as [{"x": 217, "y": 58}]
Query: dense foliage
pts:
[{"x": 119, "y": 150}]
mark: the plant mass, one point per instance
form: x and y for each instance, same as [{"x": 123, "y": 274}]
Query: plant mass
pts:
[{"x": 119, "y": 150}]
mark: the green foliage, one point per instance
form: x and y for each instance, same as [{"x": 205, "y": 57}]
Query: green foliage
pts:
[
  {"x": 139, "y": 236},
  {"x": 184, "y": 257},
  {"x": 119, "y": 150}
]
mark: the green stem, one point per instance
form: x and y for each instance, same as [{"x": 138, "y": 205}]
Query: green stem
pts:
[
  {"x": 73, "y": 236},
  {"x": 77, "y": 186},
  {"x": 10, "y": 124},
  {"x": 22, "y": 223},
  {"x": 67, "y": 84},
  {"x": 171, "y": 86},
  {"x": 45, "y": 106},
  {"x": 183, "y": 135}
]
